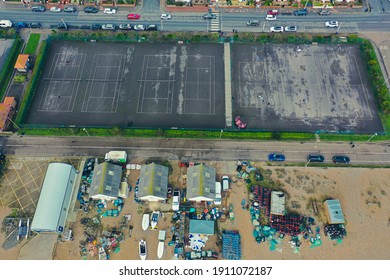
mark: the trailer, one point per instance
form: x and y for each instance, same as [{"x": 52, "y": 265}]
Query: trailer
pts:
[{"x": 116, "y": 156}]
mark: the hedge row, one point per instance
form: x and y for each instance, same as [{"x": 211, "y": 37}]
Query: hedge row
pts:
[
  {"x": 30, "y": 89},
  {"x": 8, "y": 66}
]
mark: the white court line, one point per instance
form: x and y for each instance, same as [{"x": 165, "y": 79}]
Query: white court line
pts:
[
  {"x": 80, "y": 71},
  {"x": 140, "y": 90}
]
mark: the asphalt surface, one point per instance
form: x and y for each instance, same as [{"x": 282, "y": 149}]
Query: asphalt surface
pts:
[{"x": 196, "y": 150}]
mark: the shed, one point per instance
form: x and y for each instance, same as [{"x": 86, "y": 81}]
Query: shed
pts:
[
  {"x": 22, "y": 63},
  {"x": 206, "y": 227},
  {"x": 201, "y": 183},
  {"x": 106, "y": 181},
  {"x": 278, "y": 201},
  {"x": 54, "y": 200},
  {"x": 334, "y": 212},
  {"x": 153, "y": 182}
]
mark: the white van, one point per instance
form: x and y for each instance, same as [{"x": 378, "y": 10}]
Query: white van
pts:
[
  {"x": 5, "y": 23},
  {"x": 218, "y": 196},
  {"x": 225, "y": 183}
]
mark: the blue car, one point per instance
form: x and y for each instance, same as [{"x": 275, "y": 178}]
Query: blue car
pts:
[
  {"x": 276, "y": 157},
  {"x": 21, "y": 24}
]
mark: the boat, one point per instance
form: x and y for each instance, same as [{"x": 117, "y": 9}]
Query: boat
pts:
[
  {"x": 154, "y": 219},
  {"x": 161, "y": 239},
  {"x": 145, "y": 221},
  {"x": 142, "y": 249}
]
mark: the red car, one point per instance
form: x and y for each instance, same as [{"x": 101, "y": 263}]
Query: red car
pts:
[
  {"x": 273, "y": 12},
  {"x": 239, "y": 123},
  {"x": 133, "y": 16}
]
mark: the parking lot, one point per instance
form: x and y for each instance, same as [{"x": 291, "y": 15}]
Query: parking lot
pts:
[
  {"x": 302, "y": 88},
  {"x": 22, "y": 181},
  {"x": 138, "y": 85}
]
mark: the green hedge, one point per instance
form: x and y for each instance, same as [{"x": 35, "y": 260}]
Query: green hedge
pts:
[
  {"x": 8, "y": 66},
  {"x": 30, "y": 89},
  {"x": 32, "y": 43}
]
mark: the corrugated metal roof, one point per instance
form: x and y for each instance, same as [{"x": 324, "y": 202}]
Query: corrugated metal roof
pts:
[
  {"x": 106, "y": 180},
  {"x": 201, "y": 181},
  {"x": 336, "y": 215},
  {"x": 54, "y": 200},
  {"x": 153, "y": 181},
  {"x": 202, "y": 227},
  {"x": 278, "y": 201}
]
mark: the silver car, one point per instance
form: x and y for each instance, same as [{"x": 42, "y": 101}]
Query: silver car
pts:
[
  {"x": 108, "y": 26},
  {"x": 291, "y": 28},
  {"x": 139, "y": 27}
]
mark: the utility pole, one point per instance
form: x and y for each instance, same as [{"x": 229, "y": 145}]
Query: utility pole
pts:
[{"x": 375, "y": 134}]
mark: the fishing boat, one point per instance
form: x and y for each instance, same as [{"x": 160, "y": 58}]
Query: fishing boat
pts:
[
  {"x": 154, "y": 219},
  {"x": 145, "y": 221},
  {"x": 142, "y": 250},
  {"x": 161, "y": 239}
]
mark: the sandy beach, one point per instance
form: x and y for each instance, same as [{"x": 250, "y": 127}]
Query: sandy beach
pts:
[{"x": 363, "y": 193}]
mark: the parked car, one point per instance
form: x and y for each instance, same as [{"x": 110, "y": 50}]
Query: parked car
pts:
[
  {"x": 21, "y": 24},
  {"x": 139, "y": 27},
  {"x": 176, "y": 200},
  {"x": 55, "y": 10},
  {"x": 324, "y": 13},
  {"x": 166, "y": 16},
  {"x": 96, "y": 27},
  {"x": 125, "y": 26},
  {"x": 133, "y": 16},
  {"x": 108, "y": 26},
  {"x": 70, "y": 9},
  {"x": 91, "y": 10},
  {"x": 253, "y": 22},
  {"x": 109, "y": 11},
  {"x": 209, "y": 16},
  {"x": 302, "y": 12},
  {"x": 291, "y": 28},
  {"x": 151, "y": 27},
  {"x": 5, "y": 23},
  {"x": 315, "y": 158},
  {"x": 270, "y": 17},
  {"x": 35, "y": 25},
  {"x": 332, "y": 24},
  {"x": 273, "y": 12},
  {"x": 340, "y": 159},
  {"x": 276, "y": 157},
  {"x": 38, "y": 9},
  {"x": 276, "y": 29}
]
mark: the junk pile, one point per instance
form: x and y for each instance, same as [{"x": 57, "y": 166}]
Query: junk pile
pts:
[
  {"x": 261, "y": 198},
  {"x": 201, "y": 255},
  {"x": 86, "y": 179},
  {"x": 88, "y": 246},
  {"x": 102, "y": 204},
  {"x": 197, "y": 241},
  {"x": 335, "y": 231},
  {"x": 288, "y": 224},
  {"x": 231, "y": 245},
  {"x": 244, "y": 168},
  {"x": 110, "y": 240},
  {"x": 178, "y": 231},
  {"x": 266, "y": 233}
]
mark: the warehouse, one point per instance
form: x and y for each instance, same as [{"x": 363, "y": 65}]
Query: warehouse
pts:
[{"x": 54, "y": 200}]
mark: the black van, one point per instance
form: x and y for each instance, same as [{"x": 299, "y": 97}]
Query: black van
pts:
[{"x": 253, "y": 22}]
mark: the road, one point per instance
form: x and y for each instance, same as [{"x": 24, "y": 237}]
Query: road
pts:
[
  {"x": 377, "y": 20},
  {"x": 173, "y": 149}
]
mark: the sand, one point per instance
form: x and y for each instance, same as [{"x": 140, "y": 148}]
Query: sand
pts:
[{"x": 363, "y": 193}]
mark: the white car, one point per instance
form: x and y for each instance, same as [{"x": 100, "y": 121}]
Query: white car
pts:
[
  {"x": 125, "y": 26},
  {"x": 109, "y": 11},
  {"x": 5, "y": 23},
  {"x": 276, "y": 29},
  {"x": 291, "y": 28},
  {"x": 176, "y": 200},
  {"x": 166, "y": 16},
  {"x": 55, "y": 10},
  {"x": 270, "y": 17},
  {"x": 139, "y": 27},
  {"x": 108, "y": 26},
  {"x": 332, "y": 23}
]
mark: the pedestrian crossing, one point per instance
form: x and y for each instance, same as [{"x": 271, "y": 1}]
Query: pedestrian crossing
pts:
[{"x": 215, "y": 24}]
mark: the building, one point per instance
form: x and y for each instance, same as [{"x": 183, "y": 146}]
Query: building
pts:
[
  {"x": 201, "y": 183},
  {"x": 22, "y": 63},
  {"x": 106, "y": 181},
  {"x": 54, "y": 200},
  {"x": 278, "y": 201},
  {"x": 334, "y": 212},
  {"x": 7, "y": 110},
  {"x": 153, "y": 182},
  {"x": 205, "y": 227}
]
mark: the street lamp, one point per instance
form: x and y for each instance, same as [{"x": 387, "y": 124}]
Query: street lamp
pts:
[
  {"x": 372, "y": 136},
  {"x": 386, "y": 80},
  {"x": 220, "y": 136},
  {"x": 307, "y": 162},
  {"x": 86, "y": 131},
  {"x": 66, "y": 27}
]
